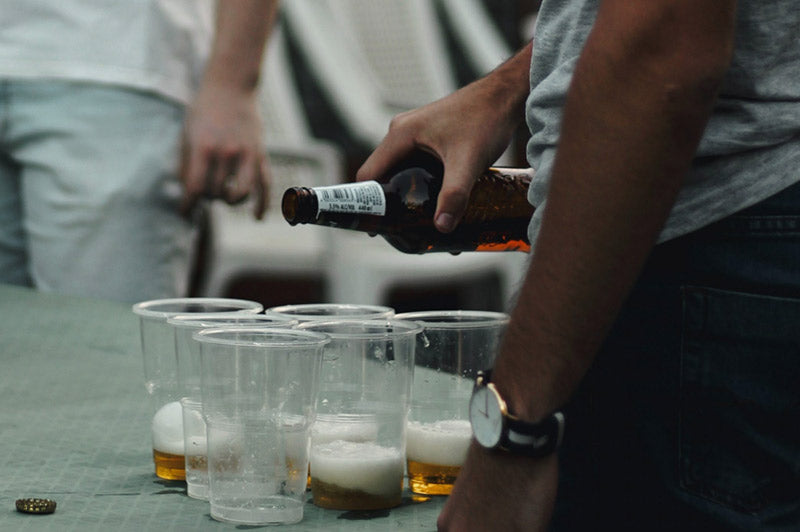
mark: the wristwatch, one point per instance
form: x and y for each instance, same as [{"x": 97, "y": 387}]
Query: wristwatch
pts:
[{"x": 495, "y": 428}]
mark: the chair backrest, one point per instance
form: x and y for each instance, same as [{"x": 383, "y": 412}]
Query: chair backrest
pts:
[
  {"x": 282, "y": 111},
  {"x": 372, "y": 59},
  {"x": 403, "y": 46},
  {"x": 477, "y": 36}
]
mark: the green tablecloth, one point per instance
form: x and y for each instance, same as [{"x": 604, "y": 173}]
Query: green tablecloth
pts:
[{"x": 74, "y": 427}]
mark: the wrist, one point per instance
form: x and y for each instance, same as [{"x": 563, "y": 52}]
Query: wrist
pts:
[
  {"x": 221, "y": 76},
  {"x": 496, "y": 427},
  {"x": 531, "y": 399},
  {"x": 509, "y": 83}
]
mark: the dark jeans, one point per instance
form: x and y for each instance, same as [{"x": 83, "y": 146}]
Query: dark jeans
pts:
[{"x": 690, "y": 417}]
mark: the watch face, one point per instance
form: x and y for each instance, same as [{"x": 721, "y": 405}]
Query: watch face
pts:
[{"x": 486, "y": 417}]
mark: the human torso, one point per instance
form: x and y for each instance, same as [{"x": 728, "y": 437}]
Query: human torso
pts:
[{"x": 751, "y": 147}]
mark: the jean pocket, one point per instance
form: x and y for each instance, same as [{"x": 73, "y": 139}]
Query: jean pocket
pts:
[{"x": 740, "y": 398}]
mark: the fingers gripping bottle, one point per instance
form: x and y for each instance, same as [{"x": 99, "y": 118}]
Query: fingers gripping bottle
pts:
[{"x": 401, "y": 209}]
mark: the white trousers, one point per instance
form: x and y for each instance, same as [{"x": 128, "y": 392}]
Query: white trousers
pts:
[{"x": 89, "y": 191}]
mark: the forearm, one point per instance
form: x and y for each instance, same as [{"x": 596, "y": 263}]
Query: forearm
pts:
[
  {"x": 634, "y": 114},
  {"x": 508, "y": 85},
  {"x": 242, "y": 29}
]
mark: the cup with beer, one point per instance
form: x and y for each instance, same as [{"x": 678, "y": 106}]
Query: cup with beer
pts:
[
  {"x": 358, "y": 438},
  {"x": 454, "y": 346},
  {"x": 258, "y": 392},
  {"x": 161, "y": 372},
  {"x": 187, "y": 351}
]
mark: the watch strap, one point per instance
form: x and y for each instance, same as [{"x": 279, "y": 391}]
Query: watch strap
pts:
[
  {"x": 533, "y": 439},
  {"x": 529, "y": 439}
]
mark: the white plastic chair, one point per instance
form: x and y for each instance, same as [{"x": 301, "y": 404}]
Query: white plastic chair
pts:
[
  {"x": 366, "y": 270},
  {"x": 282, "y": 111},
  {"x": 476, "y": 34},
  {"x": 371, "y": 59},
  {"x": 402, "y": 44}
]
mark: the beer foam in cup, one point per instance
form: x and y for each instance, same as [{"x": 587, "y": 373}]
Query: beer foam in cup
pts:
[
  {"x": 168, "y": 429},
  {"x": 327, "y": 429},
  {"x": 443, "y": 442},
  {"x": 364, "y": 466}
]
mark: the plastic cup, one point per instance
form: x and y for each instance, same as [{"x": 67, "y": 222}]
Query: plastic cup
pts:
[
  {"x": 195, "y": 449},
  {"x": 358, "y": 439},
  {"x": 258, "y": 389},
  {"x": 453, "y": 348},
  {"x": 187, "y": 350},
  {"x": 161, "y": 373},
  {"x": 332, "y": 311}
]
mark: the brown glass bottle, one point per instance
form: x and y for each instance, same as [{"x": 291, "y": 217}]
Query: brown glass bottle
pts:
[{"x": 401, "y": 209}]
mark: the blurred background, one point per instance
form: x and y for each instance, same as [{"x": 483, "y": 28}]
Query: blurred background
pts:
[{"x": 335, "y": 73}]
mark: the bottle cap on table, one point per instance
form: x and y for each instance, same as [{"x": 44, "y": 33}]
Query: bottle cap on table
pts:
[{"x": 36, "y": 506}]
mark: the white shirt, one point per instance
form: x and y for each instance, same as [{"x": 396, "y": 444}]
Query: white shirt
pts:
[{"x": 153, "y": 45}]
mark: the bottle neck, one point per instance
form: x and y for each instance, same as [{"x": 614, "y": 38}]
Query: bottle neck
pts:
[{"x": 299, "y": 205}]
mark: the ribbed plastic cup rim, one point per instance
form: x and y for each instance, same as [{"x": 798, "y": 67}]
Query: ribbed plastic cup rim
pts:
[
  {"x": 150, "y": 308},
  {"x": 219, "y": 320},
  {"x": 272, "y": 337},
  {"x": 331, "y": 311},
  {"x": 388, "y": 328},
  {"x": 456, "y": 319}
]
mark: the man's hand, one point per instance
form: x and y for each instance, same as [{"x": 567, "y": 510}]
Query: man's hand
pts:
[
  {"x": 223, "y": 153},
  {"x": 499, "y": 491},
  {"x": 468, "y": 130}
]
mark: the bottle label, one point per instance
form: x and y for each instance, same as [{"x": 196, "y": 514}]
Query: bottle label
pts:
[{"x": 365, "y": 197}]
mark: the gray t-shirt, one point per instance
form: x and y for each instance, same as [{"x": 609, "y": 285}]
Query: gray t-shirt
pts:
[{"x": 751, "y": 147}]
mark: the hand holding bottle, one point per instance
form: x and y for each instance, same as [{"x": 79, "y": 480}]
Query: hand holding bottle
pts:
[
  {"x": 467, "y": 130},
  {"x": 400, "y": 207}
]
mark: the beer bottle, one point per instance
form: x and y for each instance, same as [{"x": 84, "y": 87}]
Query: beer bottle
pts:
[{"x": 401, "y": 209}]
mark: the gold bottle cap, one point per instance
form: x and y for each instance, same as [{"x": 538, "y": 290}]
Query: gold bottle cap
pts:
[{"x": 36, "y": 506}]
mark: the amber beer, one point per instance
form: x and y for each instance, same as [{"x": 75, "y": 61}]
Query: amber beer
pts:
[
  {"x": 435, "y": 452},
  {"x": 168, "y": 442},
  {"x": 169, "y": 466},
  {"x": 356, "y": 476},
  {"x": 431, "y": 479},
  {"x": 401, "y": 209},
  {"x": 332, "y": 496}
]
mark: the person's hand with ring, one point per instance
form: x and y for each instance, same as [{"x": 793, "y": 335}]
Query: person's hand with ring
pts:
[{"x": 223, "y": 153}]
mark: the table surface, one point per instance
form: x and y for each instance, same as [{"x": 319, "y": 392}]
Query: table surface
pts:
[{"x": 74, "y": 427}]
